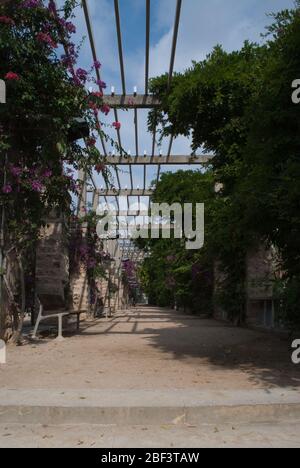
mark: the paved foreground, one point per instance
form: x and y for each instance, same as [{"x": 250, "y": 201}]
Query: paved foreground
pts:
[
  {"x": 150, "y": 348},
  {"x": 151, "y": 377},
  {"x": 89, "y": 436}
]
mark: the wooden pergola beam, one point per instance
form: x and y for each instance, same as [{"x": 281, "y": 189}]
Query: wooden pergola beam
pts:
[
  {"x": 124, "y": 193},
  {"x": 162, "y": 160},
  {"x": 131, "y": 101}
]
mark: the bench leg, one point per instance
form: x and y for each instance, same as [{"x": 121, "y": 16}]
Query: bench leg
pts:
[
  {"x": 60, "y": 335},
  {"x": 37, "y": 323},
  {"x": 78, "y": 321},
  {"x": 36, "y": 327}
]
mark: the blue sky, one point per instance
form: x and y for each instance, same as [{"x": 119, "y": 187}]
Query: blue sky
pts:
[{"x": 204, "y": 23}]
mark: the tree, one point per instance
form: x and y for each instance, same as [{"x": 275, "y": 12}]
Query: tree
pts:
[
  {"x": 238, "y": 106},
  {"x": 173, "y": 275}
]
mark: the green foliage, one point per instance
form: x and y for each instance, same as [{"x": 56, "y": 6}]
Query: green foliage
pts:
[
  {"x": 287, "y": 295},
  {"x": 173, "y": 274},
  {"x": 238, "y": 106}
]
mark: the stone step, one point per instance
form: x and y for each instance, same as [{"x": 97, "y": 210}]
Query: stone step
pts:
[{"x": 152, "y": 407}]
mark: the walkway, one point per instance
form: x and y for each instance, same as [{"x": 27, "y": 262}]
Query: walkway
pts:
[
  {"x": 93, "y": 436},
  {"x": 152, "y": 348},
  {"x": 151, "y": 377}
]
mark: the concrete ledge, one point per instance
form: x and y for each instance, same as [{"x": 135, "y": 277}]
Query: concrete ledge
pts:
[{"x": 130, "y": 407}]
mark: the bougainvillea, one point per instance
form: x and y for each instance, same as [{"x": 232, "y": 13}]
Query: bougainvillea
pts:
[
  {"x": 48, "y": 127},
  {"x": 48, "y": 109},
  {"x": 129, "y": 272}
]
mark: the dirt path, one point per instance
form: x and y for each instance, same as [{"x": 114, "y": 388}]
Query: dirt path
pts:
[
  {"x": 156, "y": 348},
  {"x": 88, "y": 436}
]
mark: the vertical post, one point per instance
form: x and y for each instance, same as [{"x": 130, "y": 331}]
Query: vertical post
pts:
[
  {"x": 60, "y": 335},
  {"x": 2, "y": 241},
  {"x": 83, "y": 193}
]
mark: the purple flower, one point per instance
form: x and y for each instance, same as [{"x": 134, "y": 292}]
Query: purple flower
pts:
[
  {"x": 7, "y": 188},
  {"x": 31, "y": 4},
  {"x": 76, "y": 81},
  {"x": 82, "y": 74},
  {"x": 52, "y": 7},
  {"x": 36, "y": 186},
  {"x": 70, "y": 27},
  {"x": 73, "y": 186},
  {"x": 91, "y": 263},
  {"x": 72, "y": 50},
  {"x": 47, "y": 173},
  {"x": 83, "y": 250},
  {"x": 101, "y": 84},
  {"x": 16, "y": 171},
  {"x": 97, "y": 65},
  {"x": 68, "y": 60}
]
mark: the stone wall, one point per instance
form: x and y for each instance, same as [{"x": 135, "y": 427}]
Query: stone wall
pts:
[
  {"x": 79, "y": 290},
  {"x": 261, "y": 264},
  {"x": 52, "y": 263},
  {"x": 11, "y": 283}
]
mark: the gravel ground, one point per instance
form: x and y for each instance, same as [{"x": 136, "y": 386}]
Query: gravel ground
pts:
[
  {"x": 153, "y": 348},
  {"x": 86, "y": 436}
]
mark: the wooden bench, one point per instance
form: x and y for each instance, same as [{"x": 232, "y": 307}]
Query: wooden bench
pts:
[{"x": 55, "y": 313}]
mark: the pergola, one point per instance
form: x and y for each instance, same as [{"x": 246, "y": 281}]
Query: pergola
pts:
[{"x": 134, "y": 102}]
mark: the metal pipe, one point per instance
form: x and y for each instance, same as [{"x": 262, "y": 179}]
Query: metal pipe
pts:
[
  {"x": 174, "y": 42},
  {"x": 147, "y": 46},
  {"x": 120, "y": 47}
]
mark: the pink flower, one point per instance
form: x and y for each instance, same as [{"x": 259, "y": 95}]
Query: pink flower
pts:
[
  {"x": 11, "y": 76},
  {"x": 105, "y": 109},
  {"x": 46, "y": 39},
  {"x": 117, "y": 125},
  {"x": 92, "y": 105},
  {"x": 91, "y": 141},
  {"x": 100, "y": 168},
  {"x": 7, "y": 188},
  {"x": 7, "y": 20},
  {"x": 98, "y": 94}
]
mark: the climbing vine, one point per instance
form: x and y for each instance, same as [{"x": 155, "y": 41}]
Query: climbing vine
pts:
[{"x": 48, "y": 115}]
